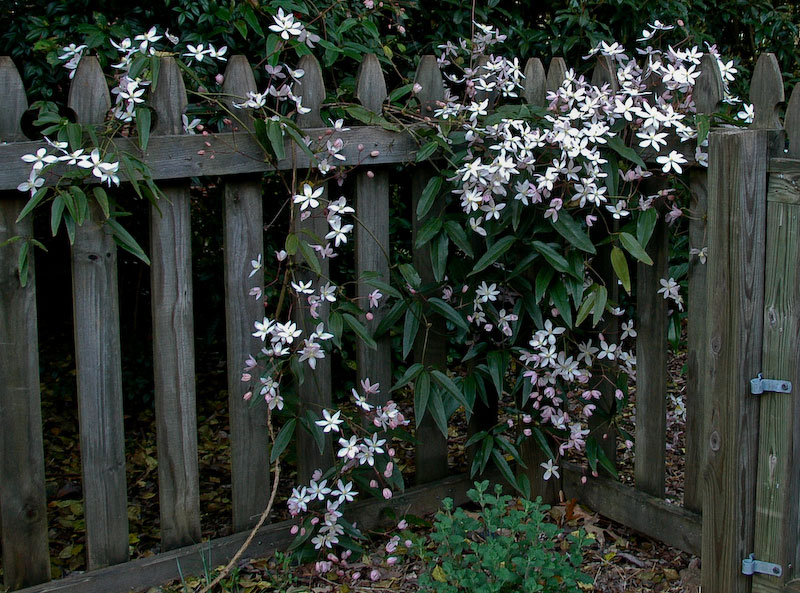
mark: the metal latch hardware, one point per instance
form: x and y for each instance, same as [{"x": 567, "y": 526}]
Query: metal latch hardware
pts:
[
  {"x": 751, "y": 566},
  {"x": 759, "y": 385}
]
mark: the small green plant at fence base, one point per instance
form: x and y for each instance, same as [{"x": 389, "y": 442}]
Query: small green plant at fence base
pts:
[{"x": 507, "y": 546}]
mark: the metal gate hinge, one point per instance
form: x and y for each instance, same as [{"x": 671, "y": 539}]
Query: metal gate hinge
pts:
[
  {"x": 759, "y": 385},
  {"x": 751, "y": 566}
]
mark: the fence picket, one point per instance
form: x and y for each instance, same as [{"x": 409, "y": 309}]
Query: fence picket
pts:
[
  {"x": 791, "y": 123},
  {"x": 605, "y": 72},
  {"x": 97, "y": 354},
  {"x": 708, "y": 93},
  {"x": 556, "y": 73},
  {"x": 243, "y": 239},
  {"x": 173, "y": 334},
  {"x": 430, "y": 347},
  {"x": 766, "y": 93},
  {"x": 535, "y": 84},
  {"x": 316, "y": 390},
  {"x": 372, "y": 235},
  {"x": 23, "y": 504}
]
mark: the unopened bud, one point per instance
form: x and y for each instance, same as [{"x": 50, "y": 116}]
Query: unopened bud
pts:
[{"x": 375, "y": 153}]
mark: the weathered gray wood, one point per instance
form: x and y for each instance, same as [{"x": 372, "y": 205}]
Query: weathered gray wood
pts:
[
  {"x": 98, "y": 355},
  {"x": 736, "y": 223},
  {"x": 766, "y": 93},
  {"x": 23, "y": 505},
  {"x": 535, "y": 89},
  {"x": 647, "y": 514},
  {"x": 372, "y": 236},
  {"x": 778, "y": 477},
  {"x": 708, "y": 93},
  {"x": 791, "y": 122},
  {"x": 605, "y": 72},
  {"x": 193, "y": 560},
  {"x": 556, "y": 73},
  {"x": 316, "y": 390},
  {"x": 784, "y": 188},
  {"x": 430, "y": 347},
  {"x": 244, "y": 241},
  {"x": 651, "y": 367},
  {"x": 780, "y": 165},
  {"x": 173, "y": 335}
]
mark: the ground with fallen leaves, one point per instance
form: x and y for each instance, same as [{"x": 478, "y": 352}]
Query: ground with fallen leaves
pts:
[{"x": 617, "y": 560}]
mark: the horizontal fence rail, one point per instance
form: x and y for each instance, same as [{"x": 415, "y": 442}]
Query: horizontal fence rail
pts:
[{"x": 174, "y": 158}]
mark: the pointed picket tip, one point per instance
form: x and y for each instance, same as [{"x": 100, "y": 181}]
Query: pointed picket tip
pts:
[
  {"x": 556, "y": 74},
  {"x": 429, "y": 77},
  {"x": 605, "y": 72},
  {"x": 535, "y": 89},
  {"x": 238, "y": 81},
  {"x": 766, "y": 92},
  {"x": 88, "y": 93},
  {"x": 792, "y": 123},
  {"x": 169, "y": 99},
  {"x": 14, "y": 101},
  {"x": 312, "y": 89},
  {"x": 370, "y": 84},
  {"x": 708, "y": 89}
]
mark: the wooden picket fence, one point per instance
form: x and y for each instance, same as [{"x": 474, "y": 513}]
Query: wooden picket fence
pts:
[{"x": 726, "y": 328}]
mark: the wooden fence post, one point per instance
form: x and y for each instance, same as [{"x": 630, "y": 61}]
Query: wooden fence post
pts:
[
  {"x": 316, "y": 390},
  {"x": 173, "y": 334},
  {"x": 372, "y": 236},
  {"x": 708, "y": 93},
  {"x": 736, "y": 228},
  {"x": 23, "y": 505},
  {"x": 430, "y": 346},
  {"x": 97, "y": 354},
  {"x": 244, "y": 241}
]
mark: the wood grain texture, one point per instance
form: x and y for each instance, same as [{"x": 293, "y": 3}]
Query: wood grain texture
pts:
[
  {"x": 372, "y": 237},
  {"x": 535, "y": 85},
  {"x": 98, "y": 355},
  {"x": 430, "y": 347},
  {"x": 605, "y": 72},
  {"x": 766, "y": 93},
  {"x": 23, "y": 510},
  {"x": 778, "y": 477},
  {"x": 651, "y": 367},
  {"x": 153, "y": 571},
  {"x": 173, "y": 335},
  {"x": 316, "y": 390},
  {"x": 708, "y": 90},
  {"x": 243, "y": 239},
  {"x": 736, "y": 223},
  {"x": 646, "y": 514},
  {"x": 556, "y": 73},
  {"x": 791, "y": 123}
]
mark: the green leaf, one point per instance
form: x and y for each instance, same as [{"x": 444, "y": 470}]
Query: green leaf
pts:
[
  {"x": 497, "y": 360},
  {"x": 559, "y": 295},
  {"x": 543, "y": 281},
  {"x": 124, "y": 239},
  {"x": 410, "y": 275},
  {"x": 275, "y": 136},
  {"x": 315, "y": 430},
  {"x": 428, "y": 231},
  {"x": 448, "y": 312},
  {"x": 293, "y": 132},
  {"x": 335, "y": 326},
  {"x": 436, "y": 406},
  {"x": 645, "y": 225},
  {"x": 56, "y": 212},
  {"x": 386, "y": 288},
  {"x": 633, "y": 247},
  {"x": 292, "y": 244},
  {"x": 450, "y": 387},
  {"x": 411, "y": 373},
  {"x": 143, "y": 126},
  {"x": 282, "y": 440},
  {"x": 505, "y": 469},
  {"x": 428, "y": 196},
  {"x": 703, "y": 122},
  {"x": 22, "y": 264},
  {"x": 361, "y": 331},
  {"x": 310, "y": 257},
  {"x": 426, "y": 151},
  {"x": 37, "y": 197},
  {"x": 620, "y": 264},
  {"x": 102, "y": 199},
  {"x": 390, "y": 318},
  {"x": 599, "y": 305},
  {"x": 586, "y": 307},
  {"x": 422, "y": 392},
  {"x": 616, "y": 144},
  {"x": 554, "y": 258},
  {"x": 458, "y": 236},
  {"x": 544, "y": 444},
  {"x": 74, "y": 136},
  {"x": 411, "y": 327},
  {"x": 567, "y": 227},
  {"x": 251, "y": 19},
  {"x": 439, "y": 252},
  {"x": 493, "y": 254},
  {"x": 371, "y": 118}
]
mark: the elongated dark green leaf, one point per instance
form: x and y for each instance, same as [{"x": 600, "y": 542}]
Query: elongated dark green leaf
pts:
[
  {"x": 411, "y": 373},
  {"x": 37, "y": 197},
  {"x": 384, "y": 287},
  {"x": 335, "y": 326},
  {"x": 315, "y": 430},
  {"x": 620, "y": 264},
  {"x": 586, "y": 307},
  {"x": 102, "y": 199},
  {"x": 458, "y": 236},
  {"x": 310, "y": 256},
  {"x": 410, "y": 275},
  {"x": 361, "y": 331},
  {"x": 124, "y": 239},
  {"x": 74, "y": 136},
  {"x": 616, "y": 144},
  {"x": 505, "y": 469},
  {"x": 282, "y": 440},
  {"x": 440, "y": 247},
  {"x": 633, "y": 247},
  {"x": 56, "y": 213},
  {"x": 543, "y": 281},
  {"x": 571, "y": 230},
  {"x": 599, "y": 305},
  {"x": 275, "y": 136},
  {"x": 438, "y": 412},
  {"x": 493, "y": 254},
  {"x": 544, "y": 444},
  {"x": 390, "y": 318},
  {"x": 426, "y": 151},
  {"x": 422, "y": 392},
  {"x": 497, "y": 360},
  {"x": 554, "y": 258},
  {"x": 559, "y": 295},
  {"x": 447, "y": 384},
  {"x": 448, "y": 312},
  {"x": 410, "y": 327},
  {"x": 293, "y": 132},
  {"x": 428, "y": 231},
  {"x": 143, "y": 127},
  {"x": 428, "y": 196},
  {"x": 645, "y": 225},
  {"x": 22, "y": 264}
]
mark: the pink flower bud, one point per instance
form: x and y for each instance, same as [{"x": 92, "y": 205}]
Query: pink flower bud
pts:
[
  {"x": 583, "y": 479},
  {"x": 373, "y": 483},
  {"x": 374, "y": 575},
  {"x": 387, "y": 493},
  {"x": 315, "y": 520},
  {"x": 246, "y": 397},
  {"x": 360, "y": 147},
  {"x": 403, "y": 524},
  {"x": 246, "y": 377},
  {"x": 294, "y": 529},
  {"x": 369, "y": 316},
  {"x": 375, "y": 153},
  {"x": 219, "y": 78},
  {"x": 370, "y": 174}
]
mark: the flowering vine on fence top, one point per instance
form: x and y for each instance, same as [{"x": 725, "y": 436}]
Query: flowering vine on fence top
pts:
[{"x": 531, "y": 204}]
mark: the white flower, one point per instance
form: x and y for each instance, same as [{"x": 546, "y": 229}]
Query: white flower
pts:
[
  {"x": 309, "y": 197},
  {"x": 256, "y": 264},
  {"x": 189, "y": 126},
  {"x": 285, "y": 25},
  {"x": 330, "y": 422},
  {"x": 486, "y": 293},
  {"x": 263, "y": 329},
  {"x": 338, "y": 231},
  {"x": 550, "y": 469},
  {"x": 33, "y": 183},
  {"x": 747, "y": 113},
  {"x": 673, "y": 161},
  {"x": 40, "y": 159},
  {"x": 311, "y": 352},
  {"x": 349, "y": 448}
]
